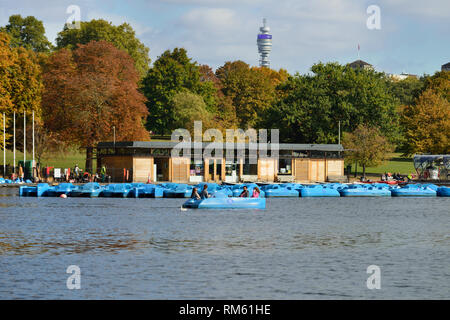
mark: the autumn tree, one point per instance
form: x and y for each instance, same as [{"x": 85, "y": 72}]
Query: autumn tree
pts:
[
  {"x": 123, "y": 37},
  {"x": 6, "y": 61},
  {"x": 224, "y": 116},
  {"x": 251, "y": 90},
  {"x": 173, "y": 72},
  {"x": 20, "y": 83},
  {"x": 90, "y": 90},
  {"x": 426, "y": 124},
  {"x": 367, "y": 146},
  {"x": 28, "y": 33}
]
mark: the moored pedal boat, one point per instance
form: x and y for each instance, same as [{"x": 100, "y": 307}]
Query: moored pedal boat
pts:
[
  {"x": 276, "y": 190},
  {"x": 34, "y": 191},
  {"x": 91, "y": 189},
  {"x": 319, "y": 191},
  {"x": 443, "y": 191},
  {"x": 365, "y": 191},
  {"x": 413, "y": 190}
]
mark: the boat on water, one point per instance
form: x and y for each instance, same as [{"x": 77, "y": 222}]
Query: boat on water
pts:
[
  {"x": 90, "y": 189},
  {"x": 62, "y": 188},
  {"x": 223, "y": 202},
  {"x": 181, "y": 190},
  {"x": 443, "y": 191},
  {"x": 39, "y": 190},
  {"x": 237, "y": 189},
  {"x": 365, "y": 191},
  {"x": 150, "y": 191},
  {"x": 119, "y": 190},
  {"x": 277, "y": 190},
  {"x": 413, "y": 190},
  {"x": 319, "y": 191}
]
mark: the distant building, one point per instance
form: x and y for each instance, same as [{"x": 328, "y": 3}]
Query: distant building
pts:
[
  {"x": 402, "y": 76},
  {"x": 359, "y": 64},
  {"x": 445, "y": 67}
]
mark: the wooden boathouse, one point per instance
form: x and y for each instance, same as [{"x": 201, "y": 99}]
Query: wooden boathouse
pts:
[{"x": 142, "y": 161}]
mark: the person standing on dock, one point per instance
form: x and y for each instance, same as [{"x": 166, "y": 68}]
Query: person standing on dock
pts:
[{"x": 103, "y": 173}]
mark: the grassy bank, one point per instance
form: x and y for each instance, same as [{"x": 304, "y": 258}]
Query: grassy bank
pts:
[
  {"x": 397, "y": 163},
  {"x": 66, "y": 160}
]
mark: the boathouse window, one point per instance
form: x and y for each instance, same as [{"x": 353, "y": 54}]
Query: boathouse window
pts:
[
  {"x": 197, "y": 168},
  {"x": 284, "y": 166},
  {"x": 300, "y": 154},
  {"x": 250, "y": 169}
]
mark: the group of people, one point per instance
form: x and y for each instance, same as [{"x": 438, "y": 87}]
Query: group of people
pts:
[
  {"x": 204, "y": 193},
  {"x": 388, "y": 176}
]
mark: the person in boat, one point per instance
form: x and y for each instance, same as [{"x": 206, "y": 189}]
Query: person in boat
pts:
[
  {"x": 256, "y": 192},
  {"x": 244, "y": 194},
  {"x": 195, "y": 195},
  {"x": 205, "y": 194}
]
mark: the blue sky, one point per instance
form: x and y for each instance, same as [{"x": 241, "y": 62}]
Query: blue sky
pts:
[{"x": 414, "y": 34}]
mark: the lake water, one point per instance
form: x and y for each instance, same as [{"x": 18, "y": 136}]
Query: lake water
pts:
[{"x": 298, "y": 248}]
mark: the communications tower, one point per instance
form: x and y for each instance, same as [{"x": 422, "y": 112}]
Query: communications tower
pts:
[{"x": 264, "y": 42}]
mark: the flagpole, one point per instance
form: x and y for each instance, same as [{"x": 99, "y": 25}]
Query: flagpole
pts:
[
  {"x": 14, "y": 144},
  {"x": 32, "y": 164},
  {"x": 4, "y": 145},
  {"x": 24, "y": 140}
]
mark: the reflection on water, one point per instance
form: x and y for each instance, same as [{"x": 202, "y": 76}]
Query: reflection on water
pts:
[
  {"x": 295, "y": 249},
  {"x": 18, "y": 245}
]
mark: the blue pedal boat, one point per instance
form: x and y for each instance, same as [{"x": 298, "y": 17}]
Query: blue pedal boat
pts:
[
  {"x": 364, "y": 191},
  {"x": 276, "y": 190},
  {"x": 149, "y": 191},
  {"x": 223, "y": 202},
  {"x": 179, "y": 191},
  {"x": 443, "y": 191},
  {"x": 413, "y": 190},
  {"x": 62, "y": 188},
  {"x": 119, "y": 190},
  {"x": 319, "y": 191},
  {"x": 91, "y": 189},
  {"x": 34, "y": 191}
]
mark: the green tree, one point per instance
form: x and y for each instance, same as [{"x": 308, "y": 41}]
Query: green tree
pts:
[
  {"x": 310, "y": 107},
  {"x": 367, "y": 146},
  {"x": 427, "y": 124},
  {"x": 28, "y": 33},
  {"x": 173, "y": 72},
  {"x": 189, "y": 107},
  {"x": 407, "y": 90},
  {"x": 123, "y": 37}
]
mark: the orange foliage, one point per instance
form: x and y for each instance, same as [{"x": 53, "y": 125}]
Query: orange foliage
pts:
[{"x": 90, "y": 90}]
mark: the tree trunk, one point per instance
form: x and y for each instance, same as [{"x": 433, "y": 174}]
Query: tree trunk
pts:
[
  {"x": 356, "y": 169},
  {"x": 364, "y": 171},
  {"x": 89, "y": 155}
]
